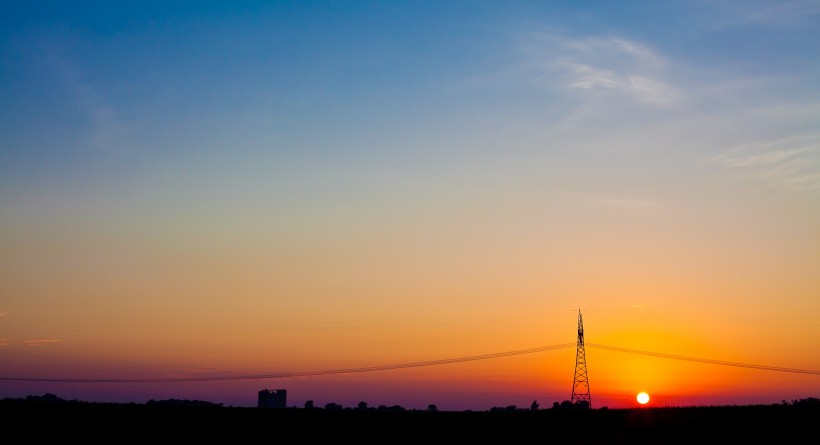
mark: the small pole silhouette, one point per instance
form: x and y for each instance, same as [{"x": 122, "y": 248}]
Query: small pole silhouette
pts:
[{"x": 580, "y": 384}]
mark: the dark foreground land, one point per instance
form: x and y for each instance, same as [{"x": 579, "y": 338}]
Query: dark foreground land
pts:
[{"x": 127, "y": 423}]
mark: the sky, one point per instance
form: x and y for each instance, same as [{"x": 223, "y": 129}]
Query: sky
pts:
[{"x": 198, "y": 189}]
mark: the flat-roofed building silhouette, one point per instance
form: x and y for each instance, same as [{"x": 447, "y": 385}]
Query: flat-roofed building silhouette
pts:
[{"x": 272, "y": 398}]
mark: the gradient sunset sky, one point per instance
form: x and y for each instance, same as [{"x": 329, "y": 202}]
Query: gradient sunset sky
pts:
[{"x": 205, "y": 189}]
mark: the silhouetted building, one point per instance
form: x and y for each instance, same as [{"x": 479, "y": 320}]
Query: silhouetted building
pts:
[{"x": 272, "y": 398}]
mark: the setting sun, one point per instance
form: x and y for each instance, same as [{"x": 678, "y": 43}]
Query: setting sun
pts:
[{"x": 643, "y": 398}]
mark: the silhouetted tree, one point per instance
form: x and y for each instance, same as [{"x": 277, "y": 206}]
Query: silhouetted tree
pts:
[
  {"x": 810, "y": 401},
  {"x": 566, "y": 404},
  {"x": 47, "y": 398},
  {"x": 391, "y": 408},
  {"x": 182, "y": 402}
]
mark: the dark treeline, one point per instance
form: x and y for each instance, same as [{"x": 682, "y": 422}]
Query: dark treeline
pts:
[{"x": 48, "y": 417}]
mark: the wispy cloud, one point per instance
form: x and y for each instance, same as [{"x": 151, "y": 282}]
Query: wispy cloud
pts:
[
  {"x": 783, "y": 13},
  {"x": 603, "y": 66},
  {"x": 4, "y": 342},
  {"x": 42, "y": 341},
  {"x": 790, "y": 163},
  {"x": 3, "y": 314},
  {"x": 109, "y": 134}
]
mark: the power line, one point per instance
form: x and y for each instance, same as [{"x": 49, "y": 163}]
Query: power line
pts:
[
  {"x": 705, "y": 360},
  {"x": 280, "y": 375},
  {"x": 470, "y": 358}
]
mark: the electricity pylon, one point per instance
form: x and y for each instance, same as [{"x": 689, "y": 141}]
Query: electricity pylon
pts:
[{"x": 580, "y": 384}]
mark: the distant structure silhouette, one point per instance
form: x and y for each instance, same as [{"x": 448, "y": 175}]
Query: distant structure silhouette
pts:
[
  {"x": 272, "y": 398},
  {"x": 580, "y": 384}
]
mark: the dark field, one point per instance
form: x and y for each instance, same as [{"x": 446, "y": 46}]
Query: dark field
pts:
[{"x": 118, "y": 423}]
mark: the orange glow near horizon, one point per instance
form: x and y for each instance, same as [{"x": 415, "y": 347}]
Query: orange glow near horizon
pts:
[{"x": 614, "y": 376}]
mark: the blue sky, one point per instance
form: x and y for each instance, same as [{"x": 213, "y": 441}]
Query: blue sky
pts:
[{"x": 122, "y": 86}]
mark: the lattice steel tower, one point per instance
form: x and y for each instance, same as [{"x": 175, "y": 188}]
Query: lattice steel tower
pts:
[{"x": 580, "y": 384}]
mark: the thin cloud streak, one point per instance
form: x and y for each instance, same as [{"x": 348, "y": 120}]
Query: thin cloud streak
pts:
[
  {"x": 42, "y": 341},
  {"x": 791, "y": 163},
  {"x": 628, "y": 203}
]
